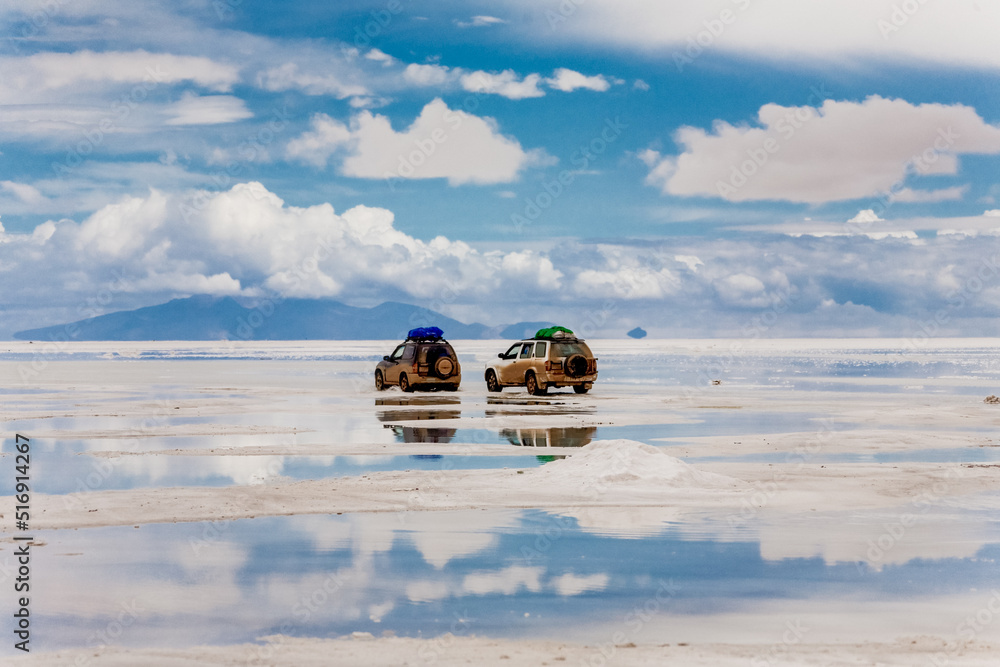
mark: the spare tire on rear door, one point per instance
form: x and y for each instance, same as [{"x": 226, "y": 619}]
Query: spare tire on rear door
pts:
[
  {"x": 444, "y": 367},
  {"x": 575, "y": 365}
]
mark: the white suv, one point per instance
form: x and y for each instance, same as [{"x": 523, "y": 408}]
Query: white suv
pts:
[{"x": 542, "y": 362}]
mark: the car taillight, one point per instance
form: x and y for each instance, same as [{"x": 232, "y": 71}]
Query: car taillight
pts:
[{"x": 548, "y": 366}]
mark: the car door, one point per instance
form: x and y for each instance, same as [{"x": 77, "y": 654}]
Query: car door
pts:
[
  {"x": 392, "y": 371},
  {"x": 507, "y": 368},
  {"x": 524, "y": 361},
  {"x": 540, "y": 357},
  {"x": 407, "y": 361}
]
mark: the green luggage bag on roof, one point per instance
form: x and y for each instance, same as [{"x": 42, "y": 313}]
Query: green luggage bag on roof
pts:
[{"x": 550, "y": 332}]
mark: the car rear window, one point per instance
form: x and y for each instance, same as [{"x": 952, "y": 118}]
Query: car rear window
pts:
[
  {"x": 569, "y": 349},
  {"x": 431, "y": 353}
]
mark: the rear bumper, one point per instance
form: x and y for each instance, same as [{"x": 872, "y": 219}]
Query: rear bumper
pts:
[
  {"x": 431, "y": 380},
  {"x": 563, "y": 381}
]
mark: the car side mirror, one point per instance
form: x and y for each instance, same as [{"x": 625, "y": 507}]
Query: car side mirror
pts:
[
  {"x": 385, "y": 358},
  {"x": 502, "y": 355}
]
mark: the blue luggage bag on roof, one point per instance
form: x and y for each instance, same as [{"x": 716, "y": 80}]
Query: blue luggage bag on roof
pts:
[{"x": 425, "y": 332}]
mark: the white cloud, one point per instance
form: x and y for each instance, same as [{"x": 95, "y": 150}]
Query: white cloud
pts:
[
  {"x": 993, "y": 213},
  {"x": 440, "y": 143},
  {"x": 427, "y": 75},
  {"x": 690, "y": 261},
  {"x": 318, "y": 144},
  {"x": 622, "y": 275},
  {"x": 318, "y": 80},
  {"x": 532, "y": 268},
  {"x": 661, "y": 168},
  {"x": 26, "y": 193},
  {"x": 479, "y": 22},
  {"x": 507, "y": 581},
  {"x": 571, "y": 584},
  {"x": 911, "y": 196},
  {"x": 27, "y": 79},
  {"x": 39, "y": 120},
  {"x": 740, "y": 289},
  {"x": 866, "y": 216},
  {"x": 245, "y": 241},
  {"x": 864, "y": 224},
  {"x": 567, "y": 81},
  {"x": 837, "y": 152},
  {"x": 624, "y": 284},
  {"x": 377, "y": 611},
  {"x": 219, "y": 284},
  {"x": 380, "y": 56},
  {"x": 364, "y": 102},
  {"x": 118, "y": 231},
  {"x": 427, "y": 591},
  {"x": 42, "y": 233},
  {"x": 506, "y": 84},
  {"x": 93, "y": 185},
  {"x": 248, "y": 241},
  {"x": 951, "y": 33},
  {"x": 640, "y": 85},
  {"x": 466, "y": 534},
  {"x": 207, "y": 110}
]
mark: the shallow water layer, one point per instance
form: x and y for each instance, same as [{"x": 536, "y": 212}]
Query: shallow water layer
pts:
[
  {"x": 586, "y": 575},
  {"x": 495, "y": 573},
  {"x": 78, "y": 474}
]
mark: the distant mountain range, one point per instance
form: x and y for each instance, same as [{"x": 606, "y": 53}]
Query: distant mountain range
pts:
[{"x": 223, "y": 318}]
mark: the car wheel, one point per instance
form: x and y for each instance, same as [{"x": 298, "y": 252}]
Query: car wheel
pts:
[
  {"x": 492, "y": 384},
  {"x": 379, "y": 381},
  {"x": 576, "y": 366},
  {"x": 444, "y": 367},
  {"x": 404, "y": 383},
  {"x": 532, "y": 385},
  {"x": 581, "y": 388}
]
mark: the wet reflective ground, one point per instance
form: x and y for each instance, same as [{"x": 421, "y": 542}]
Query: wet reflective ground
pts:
[
  {"x": 507, "y": 573},
  {"x": 205, "y": 417}
]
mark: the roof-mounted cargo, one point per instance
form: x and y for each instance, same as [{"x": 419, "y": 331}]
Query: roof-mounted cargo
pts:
[
  {"x": 555, "y": 333},
  {"x": 425, "y": 334}
]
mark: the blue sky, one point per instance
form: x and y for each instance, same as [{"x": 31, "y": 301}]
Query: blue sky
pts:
[{"x": 725, "y": 168}]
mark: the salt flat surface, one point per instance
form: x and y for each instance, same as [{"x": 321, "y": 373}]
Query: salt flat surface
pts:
[
  {"x": 877, "y": 457},
  {"x": 450, "y": 650}
]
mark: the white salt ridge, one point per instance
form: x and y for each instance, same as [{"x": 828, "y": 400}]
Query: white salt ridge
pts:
[{"x": 630, "y": 463}]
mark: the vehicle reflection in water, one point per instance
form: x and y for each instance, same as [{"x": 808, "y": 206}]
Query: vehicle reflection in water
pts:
[
  {"x": 403, "y": 411},
  {"x": 502, "y": 406},
  {"x": 420, "y": 434},
  {"x": 569, "y": 436},
  {"x": 409, "y": 434},
  {"x": 419, "y": 400}
]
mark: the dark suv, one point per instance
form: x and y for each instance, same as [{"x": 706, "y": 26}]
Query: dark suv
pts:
[{"x": 425, "y": 359}]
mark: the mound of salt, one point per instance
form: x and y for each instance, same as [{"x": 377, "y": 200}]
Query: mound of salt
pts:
[{"x": 627, "y": 462}]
